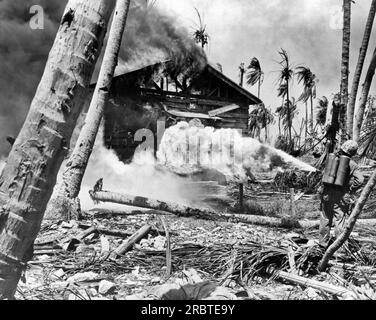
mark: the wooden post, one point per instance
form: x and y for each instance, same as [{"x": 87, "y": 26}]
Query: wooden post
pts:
[
  {"x": 292, "y": 202},
  {"x": 241, "y": 196}
]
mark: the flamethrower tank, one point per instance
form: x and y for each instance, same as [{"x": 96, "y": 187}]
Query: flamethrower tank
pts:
[
  {"x": 329, "y": 162},
  {"x": 333, "y": 170},
  {"x": 343, "y": 171},
  {"x": 336, "y": 170}
]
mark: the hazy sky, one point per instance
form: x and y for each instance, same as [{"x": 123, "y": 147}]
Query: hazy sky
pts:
[{"x": 310, "y": 31}]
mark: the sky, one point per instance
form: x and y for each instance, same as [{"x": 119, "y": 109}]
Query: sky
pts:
[{"x": 309, "y": 30}]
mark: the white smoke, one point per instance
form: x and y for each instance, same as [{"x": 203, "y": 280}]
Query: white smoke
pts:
[
  {"x": 142, "y": 177},
  {"x": 185, "y": 149},
  {"x": 190, "y": 147}
]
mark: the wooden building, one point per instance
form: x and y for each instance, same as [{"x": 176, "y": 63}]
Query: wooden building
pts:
[{"x": 142, "y": 97}]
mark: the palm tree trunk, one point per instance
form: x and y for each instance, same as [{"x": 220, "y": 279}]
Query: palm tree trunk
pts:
[
  {"x": 288, "y": 115},
  {"x": 363, "y": 101},
  {"x": 266, "y": 133},
  {"x": 350, "y": 223},
  {"x": 30, "y": 173},
  {"x": 306, "y": 122},
  {"x": 312, "y": 115},
  {"x": 359, "y": 68},
  {"x": 345, "y": 65},
  {"x": 64, "y": 200},
  {"x": 259, "y": 88}
]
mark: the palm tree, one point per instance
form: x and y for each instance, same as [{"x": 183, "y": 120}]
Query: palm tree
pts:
[
  {"x": 308, "y": 79},
  {"x": 363, "y": 101},
  {"x": 28, "y": 178},
  {"x": 64, "y": 199},
  {"x": 255, "y": 74},
  {"x": 286, "y": 113},
  {"x": 266, "y": 118},
  {"x": 345, "y": 65},
  {"x": 285, "y": 76},
  {"x": 322, "y": 108},
  {"x": 200, "y": 35},
  {"x": 367, "y": 139},
  {"x": 359, "y": 68},
  {"x": 260, "y": 118}
]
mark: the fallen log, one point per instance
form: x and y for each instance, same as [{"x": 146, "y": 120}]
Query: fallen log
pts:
[
  {"x": 318, "y": 285},
  {"x": 128, "y": 243},
  {"x": 103, "y": 213},
  {"x": 142, "y": 202},
  {"x": 203, "y": 213}
]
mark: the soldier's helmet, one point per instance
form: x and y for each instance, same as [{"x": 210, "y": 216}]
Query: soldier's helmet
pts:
[{"x": 350, "y": 147}]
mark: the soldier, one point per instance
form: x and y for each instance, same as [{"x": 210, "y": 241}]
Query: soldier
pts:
[{"x": 337, "y": 202}]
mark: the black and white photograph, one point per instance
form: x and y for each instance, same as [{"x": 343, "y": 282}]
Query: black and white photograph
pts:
[{"x": 191, "y": 157}]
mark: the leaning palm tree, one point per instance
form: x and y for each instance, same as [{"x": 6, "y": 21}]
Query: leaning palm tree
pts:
[
  {"x": 64, "y": 200},
  {"x": 27, "y": 180},
  {"x": 308, "y": 79},
  {"x": 344, "y": 89},
  {"x": 255, "y": 74},
  {"x": 367, "y": 139},
  {"x": 200, "y": 35},
  {"x": 359, "y": 68},
  {"x": 285, "y": 76},
  {"x": 363, "y": 101}
]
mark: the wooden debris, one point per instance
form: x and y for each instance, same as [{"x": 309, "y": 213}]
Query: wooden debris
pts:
[
  {"x": 128, "y": 243},
  {"x": 168, "y": 248},
  {"x": 322, "y": 286},
  {"x": 103, "y": 213}
]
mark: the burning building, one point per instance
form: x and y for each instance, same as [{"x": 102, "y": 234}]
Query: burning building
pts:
[{"x": 140, "y": 98}]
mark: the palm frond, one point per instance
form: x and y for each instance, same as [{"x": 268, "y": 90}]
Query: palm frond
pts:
[
  {"x": 286, "y": 71},
  {"x": 255, "y": 74},
  {"x": 200, "y": 35},
  {"x": 322, "y": 108},
  {"x": 282, "y": 90}
]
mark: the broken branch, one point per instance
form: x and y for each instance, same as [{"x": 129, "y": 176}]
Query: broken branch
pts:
[{"x": 128, "y": 243}]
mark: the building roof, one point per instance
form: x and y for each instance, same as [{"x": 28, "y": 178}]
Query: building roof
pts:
[
  {"x": 120, "y": 72},
  {"x": 233, "y": 84}
]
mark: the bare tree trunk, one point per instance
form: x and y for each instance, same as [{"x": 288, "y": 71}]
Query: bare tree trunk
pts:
[
  {"x": 289, "y": 124},
  {"x": 28, "y": 178},
  {"x": 312, "y": 115},
  {"x": 363, "y": 101},
  {"x": 306, "y": 123},
  {"x": 345, "y": 65},
  {"x": 359, "y": 68},
  {"x": 64, "y": 200},
  {"x": 350, "y": 223}
]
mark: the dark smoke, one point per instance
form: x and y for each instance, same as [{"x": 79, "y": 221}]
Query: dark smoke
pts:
[
  {"x": 150, "y": 36},
  {"x": 23, "y": 54}
]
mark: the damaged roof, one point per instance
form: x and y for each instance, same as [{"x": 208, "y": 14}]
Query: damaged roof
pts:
[{"x": 124, "y": 71}]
